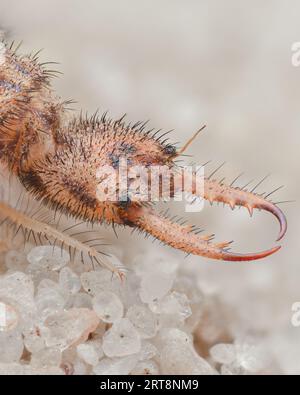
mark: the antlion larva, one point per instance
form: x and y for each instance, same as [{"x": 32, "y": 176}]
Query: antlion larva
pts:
[{"x": 57, "y": 162}]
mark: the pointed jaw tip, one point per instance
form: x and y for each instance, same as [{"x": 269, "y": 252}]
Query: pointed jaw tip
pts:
[
  {"x": 283, "y": 227},
  {"x": 227, "y": 256},
  {"x": 275, "y": 210}
]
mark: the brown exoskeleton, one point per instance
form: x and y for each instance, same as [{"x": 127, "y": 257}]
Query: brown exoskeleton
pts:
[{"x": 57, "y": 161}]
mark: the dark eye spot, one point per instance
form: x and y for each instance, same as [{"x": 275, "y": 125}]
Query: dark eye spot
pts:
[{"x": 170, "y": 150}]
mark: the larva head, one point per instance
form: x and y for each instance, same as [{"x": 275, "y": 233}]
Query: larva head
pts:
[{"x": 71, "y": 177}]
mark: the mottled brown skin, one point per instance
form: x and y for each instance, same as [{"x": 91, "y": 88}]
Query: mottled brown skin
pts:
[{"x": 57, "y": 161}]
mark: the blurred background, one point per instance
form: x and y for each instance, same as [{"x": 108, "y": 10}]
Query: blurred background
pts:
[{"x": 183, "y": 64}]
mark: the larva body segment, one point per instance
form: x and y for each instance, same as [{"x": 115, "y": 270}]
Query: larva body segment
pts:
[
  {"x": 58, "y": 162},
  {"x": 28, "y": 113}
]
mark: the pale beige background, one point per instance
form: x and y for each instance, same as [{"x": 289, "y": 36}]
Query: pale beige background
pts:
[{"x": 183, "y": 64}]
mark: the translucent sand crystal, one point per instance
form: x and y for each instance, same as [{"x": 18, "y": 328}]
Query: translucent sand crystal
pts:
[
  {"x": 148, "y": 351},
  {"x": 90, "y": 352},
  {"x": 46, "y": 357},
  {"x": 145, "y": 368},
  {"x": 108, "y": 306},
  {"x": 80, "y": 368},
  {"x": 11, "y": 346},
  {"x": 155, "y": 286},
  {"x": 129, "y": 291},
  {"x": 33, "y": 340},
  {"x": 174, "y": 304},
  {"x": 48, "y": 257},
  {"x": 223, "y": 353},
  {"x": 80, "y": 299},
  {"x": 114, "y": 366},
  {"x": 240, "y": 357},
  {"x": 50, "y": 298},
  {"x": 69, "y": 327},
  {"x": 144, "y": 321},
  {"x": 39, "y": 273},
  {"x": 94, "y": 282},
  {"x": 122, "y": 339},
  {"x": 69, "y": 280},
  {"x": 178, "y": 355},
  {"x": 17, "y": 290}
]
